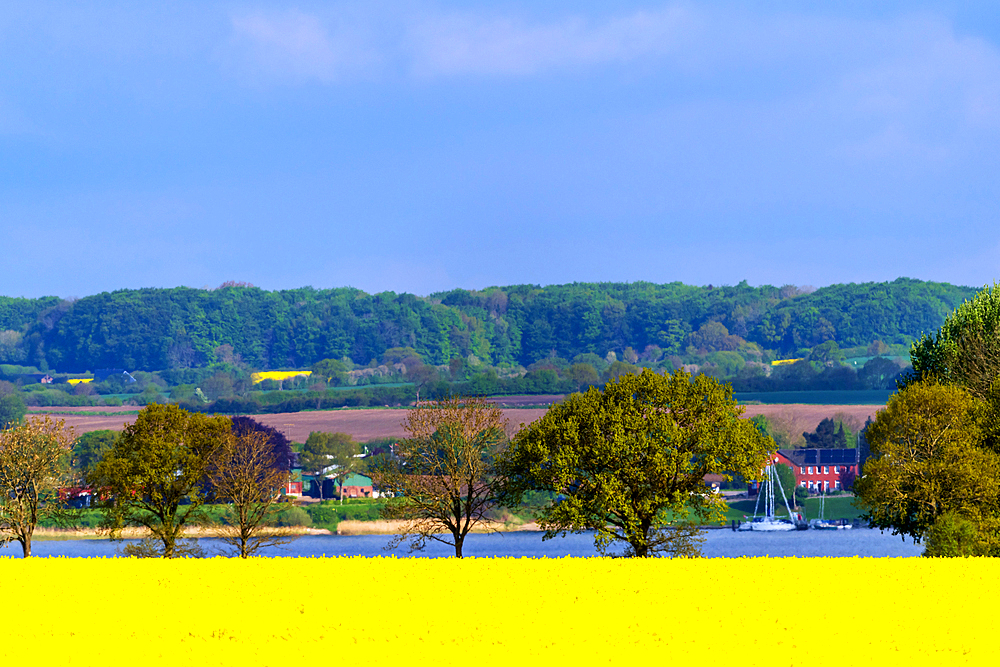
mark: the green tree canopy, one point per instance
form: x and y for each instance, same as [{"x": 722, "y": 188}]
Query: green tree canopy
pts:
[
  {"x": 332, "y": 371},
  {"x": 155, "y": 477},
  {"x": 12, "y": 409},
  {"x": 182, "y": 328},
  {"x": 826, "y": 436},
  {"x": 621, "y": 459},
  {"x": 89, "y": 448},
  {"x": 927, "y": 460},
  {"x": 966, "y": 348},
  {"x": 329, "y": 455}
]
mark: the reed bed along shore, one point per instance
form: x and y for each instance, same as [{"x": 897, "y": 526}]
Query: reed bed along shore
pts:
[
  {"x": 382, "y": 527},
  {"x": 378, "y": 527},
  {"x": 138, "y": 533},
  {"x": 387, "y": 611}
]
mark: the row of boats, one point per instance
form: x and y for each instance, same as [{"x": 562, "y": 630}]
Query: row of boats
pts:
[
  {"x": 779, "y": 524},
  {"x": 768, "y": 522}
]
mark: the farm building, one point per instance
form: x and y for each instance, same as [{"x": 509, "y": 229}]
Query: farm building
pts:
[{"x": 357, "y": 486}]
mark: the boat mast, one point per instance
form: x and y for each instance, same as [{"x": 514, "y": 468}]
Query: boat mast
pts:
[
  {"x": 783, "y": 496},
  {"x": 770, "y": 494}
]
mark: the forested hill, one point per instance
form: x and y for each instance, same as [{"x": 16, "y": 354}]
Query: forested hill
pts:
[{"x": 154, "y": 329}]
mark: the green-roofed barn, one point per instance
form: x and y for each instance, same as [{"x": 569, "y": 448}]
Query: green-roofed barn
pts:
[{"x": 357, "y": 486}]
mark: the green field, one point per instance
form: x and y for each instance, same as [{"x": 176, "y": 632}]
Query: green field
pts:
[
  {"x": 832, "y": 397},
  {"x": 836, "y": 507}
]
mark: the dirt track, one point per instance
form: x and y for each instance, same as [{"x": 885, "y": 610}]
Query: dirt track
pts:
[{"x": 365, "y": 425}]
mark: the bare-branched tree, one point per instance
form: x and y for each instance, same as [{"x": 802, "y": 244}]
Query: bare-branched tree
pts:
[
  {"x": 442, "y": 477},
  {"x": 245, "y": 475},
  {"x": 34, "y": 463}
]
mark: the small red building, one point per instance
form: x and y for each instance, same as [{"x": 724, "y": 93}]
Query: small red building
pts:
[{"x": 822, "y": 470}]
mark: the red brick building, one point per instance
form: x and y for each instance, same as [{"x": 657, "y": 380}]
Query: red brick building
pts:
[{"x": 822, "y": 470}]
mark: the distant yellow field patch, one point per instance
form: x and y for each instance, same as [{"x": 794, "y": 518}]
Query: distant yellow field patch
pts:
[
  {"x": 782, "y": 362},
  {"x": 759, "y": 611},
  {"x": 277, "y": 376},
  {"x": 80, "y": 380}
]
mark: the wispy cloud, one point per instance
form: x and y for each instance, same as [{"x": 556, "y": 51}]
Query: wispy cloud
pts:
[
  {"x": 300, "y": 47},
  {"x": 471, "y": 44},
  {"x": 425, "y": 45},
  {"x": 927, "y": 91}
]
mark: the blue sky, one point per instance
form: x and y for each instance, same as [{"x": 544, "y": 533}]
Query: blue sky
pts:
[{"x": 420, "y": 146}]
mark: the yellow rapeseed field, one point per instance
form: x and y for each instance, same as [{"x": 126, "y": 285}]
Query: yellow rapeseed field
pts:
[
  {"x": 277, "y": 376},
  {"x": 520, "y": 612}
]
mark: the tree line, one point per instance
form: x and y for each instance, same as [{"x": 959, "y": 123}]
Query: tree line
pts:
[
  {"x": 159, "y": 476},
  {"x": 627, "y": 461},
  {"x": 179, "y": 328}
]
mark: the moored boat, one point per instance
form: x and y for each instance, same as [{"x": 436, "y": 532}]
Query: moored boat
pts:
[{"x": 769, "y": 522}]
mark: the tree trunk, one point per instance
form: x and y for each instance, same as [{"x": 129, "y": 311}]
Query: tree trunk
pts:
[
  {"x": 459, "y": 540},
  {"x": 25, "y": 541}
]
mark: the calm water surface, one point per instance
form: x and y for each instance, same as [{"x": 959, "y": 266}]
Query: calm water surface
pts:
[{"x": 719, "y": 544}]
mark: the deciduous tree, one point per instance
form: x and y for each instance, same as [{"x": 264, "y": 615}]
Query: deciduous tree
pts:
[
  {"x": 966, "y": 348},
  {"x": 89, "y": 448},
  {"x": 34, "y": 463},
  {"x": 329, "y": 456},
  {"x": 443, "y": 476},
  {"x": 826, "y": 436},
  {"x": 927, "y": 460},
  {"x": 281, "y": 448},
  {"x": 12, "y": 408},
  {"x": 155, "y": 477},
  {"x": 582, "y": 375},
  {"x": 245, "y": 473},
  {"x": 623, "y": 459}
]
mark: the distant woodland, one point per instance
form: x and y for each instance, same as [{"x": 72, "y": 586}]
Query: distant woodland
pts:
[
  {"x": 521, "y": 338},
  {"x": 158, "y": 329}
]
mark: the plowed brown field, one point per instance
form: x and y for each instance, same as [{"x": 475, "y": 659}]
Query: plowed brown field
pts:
[{"x": 365, "y": 425}]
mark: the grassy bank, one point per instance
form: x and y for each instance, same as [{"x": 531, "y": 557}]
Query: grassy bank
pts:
[
  {"x": 836, "y": 507},
  {"x": 360, "y": 516}
]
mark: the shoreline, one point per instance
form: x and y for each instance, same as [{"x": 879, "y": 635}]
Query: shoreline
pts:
[
  {"x": 345, "y": 528},
  {"x": 59, "y": 534}
]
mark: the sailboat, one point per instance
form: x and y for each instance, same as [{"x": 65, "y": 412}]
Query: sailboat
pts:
[
  {"x": 769, "y": 522},
  {"x": 825, "y": 524}
]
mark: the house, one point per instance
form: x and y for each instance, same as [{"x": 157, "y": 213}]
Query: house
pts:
[
  {"x": 357, "y": 486},
  {"x": 293, "y": 489},
  {"x": 822, "y": 469},
  {"x": 77, "y": 497},
  {"x": 713, "y": 481}
]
